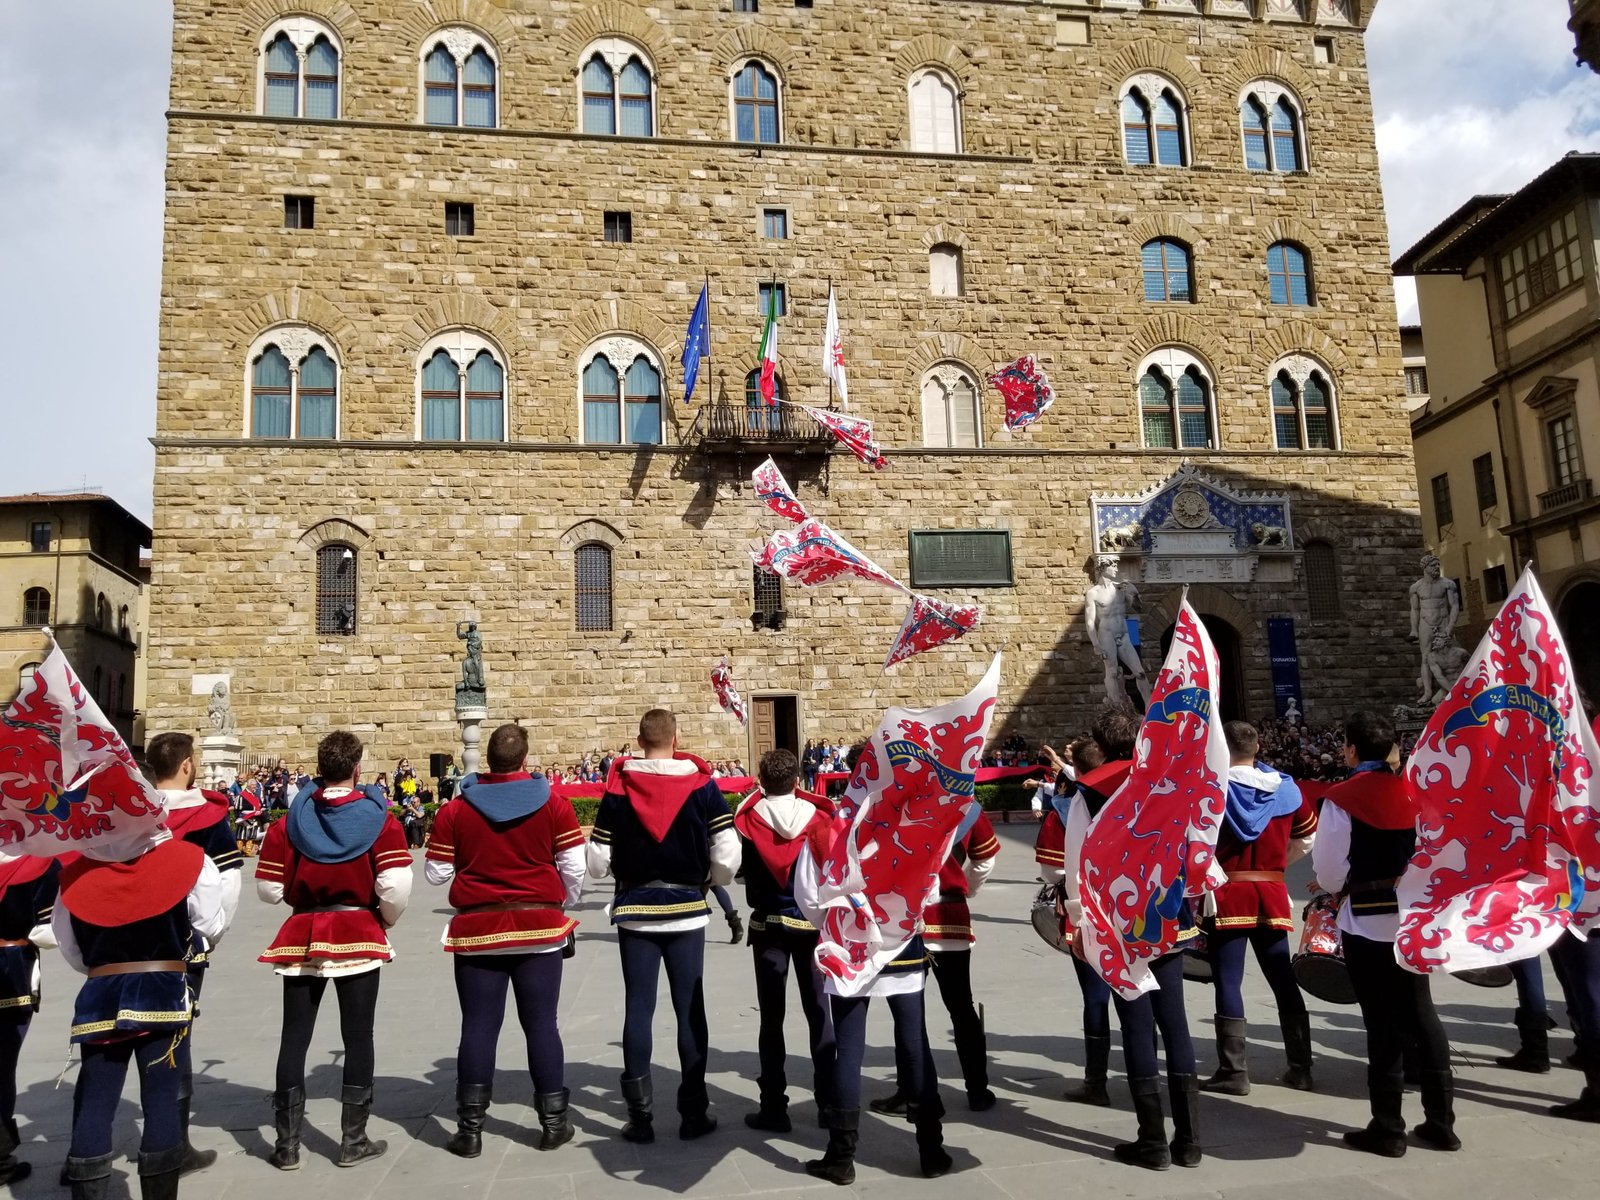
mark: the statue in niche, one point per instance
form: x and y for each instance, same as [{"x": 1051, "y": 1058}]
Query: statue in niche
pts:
[
  {"x": 471, "y": 692},
  {"x": 1435, "y": 606},
  {"x": 1106, "y": 606}
]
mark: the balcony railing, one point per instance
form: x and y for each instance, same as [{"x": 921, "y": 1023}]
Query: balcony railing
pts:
[
  {"x": 736, "y": 427},
  {"x": 1575, "y": 492}
]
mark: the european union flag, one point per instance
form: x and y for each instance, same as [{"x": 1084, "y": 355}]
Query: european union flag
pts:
[{"x": 697, "y": 342}]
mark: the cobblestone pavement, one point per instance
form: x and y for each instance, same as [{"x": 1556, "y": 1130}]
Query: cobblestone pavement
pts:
[{"x": 1032, "y": 1146}]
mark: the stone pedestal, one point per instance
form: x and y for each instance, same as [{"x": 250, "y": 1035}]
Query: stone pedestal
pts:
[
  {"x": 472, "y": 720},
  {"x": 220, "y": 756}
]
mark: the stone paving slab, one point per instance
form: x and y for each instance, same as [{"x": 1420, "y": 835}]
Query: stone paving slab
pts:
[{"x": 1034, "y": 1145}]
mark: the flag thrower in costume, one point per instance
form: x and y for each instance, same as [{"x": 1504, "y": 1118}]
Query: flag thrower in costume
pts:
[
  {"x": 1503, "y": 777},
  {"x": 1026, "y": 390},
  {"x": 911, "y": 789},
  {"x": 728, "y": 695},
  {"x": 1156, "y": 838},
  {"x": 811, "y": 554},
  {"x": 833, "y": 352},
  {"x": 773, "y": 490},
  {"x": 931, "y": 623},
  {"x": 67, "y": 781},
  {"x": 853, "y": 433},
  {"x": 769, "y": 349},
  {"x": 697, "y": 341}
]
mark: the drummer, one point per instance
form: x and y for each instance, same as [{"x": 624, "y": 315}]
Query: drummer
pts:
[
  {"x": 1365, "y": 839},
  {"x": 1267, "y": 826}
]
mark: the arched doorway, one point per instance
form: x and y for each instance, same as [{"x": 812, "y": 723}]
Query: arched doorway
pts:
[
  {"x": 1230, "y": 663},
  {"x": 1579, "y": 617}
]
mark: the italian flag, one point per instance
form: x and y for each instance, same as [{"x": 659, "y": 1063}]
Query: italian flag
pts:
[{"x": 769, "y": 351}]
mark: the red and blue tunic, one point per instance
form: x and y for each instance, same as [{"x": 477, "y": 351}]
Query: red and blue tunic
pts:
[
  {"x": 947, "y": 922},
  {"x": 1260, "y": 902}
]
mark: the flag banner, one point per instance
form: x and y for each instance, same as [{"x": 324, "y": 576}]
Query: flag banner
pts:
[
  {"x": 833, "y": 352},
  {"x": 697, "y": 342},
  {"x": 1026, "y": 390},
  {"x": 728, "y": 695},
  {"x": 811, "y": 554},
  {"x": 67, "y": 781},
  {"x": 913, "y": 786},
  {"x": 854, "y": 434},
  {"x": 774, "y": 491},
  {"x": 769, "y": 350},
  {"x": 1156, "y": 838},
  {"x": 931, "y": 623},
  {"x": 1503, "y": 776}
]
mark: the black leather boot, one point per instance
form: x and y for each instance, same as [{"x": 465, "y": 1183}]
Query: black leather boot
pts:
[
  {"x": 158, "y": 1173},
  {"x": 288, "y": 1114},
  {"x": 1097, "y": 1061},
  {"x": 553, "y": 1118},
  {"x": 12, "y": 1170},
  {"x": 1533, "y": 1054},
  {"x": 838, "y": 1162},
  {"x": 735, "y": 929},
  {"x": 890, "y": 1106},
  {"x": 1233, "y": 1067},
  {"x": 1385, "y": 1134},
  {"x": 472, "y": 1106},
  {"x": 928, "y": 1120},
  {"x": 355, "y": 1147},
  {"x": 1297, "y": 1048},
  {"x": 640, "y": 1098},
  {"x": 193, "y": 1160},
  {"x": 1184, "y": 1093},
  {"x": 1587, "y": 1106},
  {"x": 1150, "y": 1150},
  {"x": 89, "y": 1178},
  {"x": 773, "y": 1116},
  {"x": 1438, "y": 1128}
]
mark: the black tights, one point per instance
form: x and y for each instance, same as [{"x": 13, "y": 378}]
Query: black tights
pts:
[
  {"x": 1226, "y": 949},
  {"x": 684, "y": 956},
  {"x": 481, "y": 984},
  {"x": 358, "y": 1007},
  {"x": 11, "y": 1035},
  {"x": 913, "y": 1058},
  {"x": 775, "y": 954},
  {"x": 1161, "y": 1009},
  {"x": 99, "y": 1091},
  {"x": 1397, "y": 1009}
]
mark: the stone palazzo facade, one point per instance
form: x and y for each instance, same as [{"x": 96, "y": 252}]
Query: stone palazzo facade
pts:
[{"x": 428, "y": 270}]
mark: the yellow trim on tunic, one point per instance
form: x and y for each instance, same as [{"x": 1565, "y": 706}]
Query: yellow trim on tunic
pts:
[
  {"x": 327, "y": 947},
  {"x": 163, "y": 1018},
  {"x": 532, "y": 936}
]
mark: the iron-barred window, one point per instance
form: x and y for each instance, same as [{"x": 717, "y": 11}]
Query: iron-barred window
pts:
[
  {"x": 961, "y": 558},
  {"x": 768, "y": 591},
  {"x": 592, "y": 587},
  {"x": 336, "y": 590},
  {"x": 1322, "y": 581}
]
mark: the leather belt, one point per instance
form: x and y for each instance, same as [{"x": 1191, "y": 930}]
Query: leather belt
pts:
[
  {"x": 1255, "y": 876},
  {"x": 15, "y": 942},
  {"x": 333, "y": 908},
  {"x": 177, "y": 966},
  {"x": 1371, "y": 885},
  {"x": 512, "y": 906}
]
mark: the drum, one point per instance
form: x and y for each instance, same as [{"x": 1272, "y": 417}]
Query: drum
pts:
[
  {"x": 1047, "y": 922},
  {"x": 1319, "y": 967},
  {"x": 1487, "y": 977}
]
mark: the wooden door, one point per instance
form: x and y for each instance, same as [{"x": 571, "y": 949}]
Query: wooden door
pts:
[{"x": 764, "y": 725}]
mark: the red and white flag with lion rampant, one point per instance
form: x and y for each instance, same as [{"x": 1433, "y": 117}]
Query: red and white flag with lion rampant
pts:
[
  {"x": 67, "y": 781},
  {"x": 1155, "y": 841},
  {"x": 1508, "y": 837},
  {"x": 911, "y": 789}
]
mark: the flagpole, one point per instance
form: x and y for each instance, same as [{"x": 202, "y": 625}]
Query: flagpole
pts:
[
  {"x": 711, "y": 370},
  {"x": 830, "y": 342}
]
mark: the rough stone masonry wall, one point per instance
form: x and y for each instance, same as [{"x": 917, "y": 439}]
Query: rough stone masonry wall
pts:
[{"x": 1050, "y": 221}]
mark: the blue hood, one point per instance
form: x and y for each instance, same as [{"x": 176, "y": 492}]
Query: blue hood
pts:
[
  {"x": 1256, "y": 795},
  {"x": 335, "y": 833},
  {"x": 510, "y": 800}
]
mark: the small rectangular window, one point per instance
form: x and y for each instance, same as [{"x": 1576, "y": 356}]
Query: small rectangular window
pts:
[
  {"x": 299, "y": 212},
  {"x": 1416, "y": 381},
  {"x": 961, "y": 558},
  {"x": 1322, "y": 51},
  {"x": 764, "y": 298},
  {"x": 775, "y": 223},
  {"x": 768, "y": 590},
  {"x": 1443, "y": 512},
  {"x": 39, "y": 537},
  {"x": 1483, "y": 477},
  {"x": 1071, "y": 31},
  {"x": 460, "y": 219},
  {"x": 745, "y": 5},
  {"x": 619, "y": 227},
  {"x": 802, "y": 3},
  {"x": 1495, "y": 588}
]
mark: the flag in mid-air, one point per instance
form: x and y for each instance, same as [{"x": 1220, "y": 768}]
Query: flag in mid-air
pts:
[
  {"x": 854, "y": 434},
  {"x": 833, "y": 352},
  {"x": 68, "y": 783},
  {"x": 774, "y": 491},
  {"x": 769, "y": 349},
  {"x": 1155, "y": 840},
  {"x": 931, "y": 623},
  {"x": 1026, "y": 390},
  {"x": 728, "y": 695},
  {"x": 811, "y": 554},
  {"x": 697, "y": 342},
  {"x": 912, "y": 788},
  {"x": 1503, "y": 776}
]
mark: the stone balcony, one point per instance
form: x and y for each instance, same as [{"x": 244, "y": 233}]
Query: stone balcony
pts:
[
  {"x": 740, "y": 428},
  {"x": 1575, "y": 492}
]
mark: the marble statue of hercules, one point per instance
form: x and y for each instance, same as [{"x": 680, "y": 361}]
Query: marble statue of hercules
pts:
[
  {"x": 1435, "y": 605},
  {"x": 1106, "y": 612}
]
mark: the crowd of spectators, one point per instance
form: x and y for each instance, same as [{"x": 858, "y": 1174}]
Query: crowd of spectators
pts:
[{"x": 1302, "y": 751}]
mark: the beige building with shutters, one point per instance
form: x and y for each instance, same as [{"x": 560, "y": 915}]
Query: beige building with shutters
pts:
[{"x": 428, "y": 270}]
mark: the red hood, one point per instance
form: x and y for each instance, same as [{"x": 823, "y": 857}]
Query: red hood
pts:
[
  {"x": 184, "y": 821},
  {"x": 110, "y": 894},
  {"x": 777, "y": 852},
  {"x": 1377, "y": 798},
  {"x": 657, "y": 799},
  {"x": 24, "y": 870}
]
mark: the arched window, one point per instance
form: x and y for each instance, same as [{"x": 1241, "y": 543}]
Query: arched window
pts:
[
  {"x": 761, "y": 417},
  {"x": 945, "y": 275},
  {"x": 336, "y": 589},
  {"x": 1273, "y": 134},
  {"x": 300, "y": 59},
  {"x": 1168, "y": 271},
  {"x": 1153, "y": 118},
  {"x": 756, "y": 116},
  {"x": 1175, "y": 402},
  {"x": 950, "y": 407},
  {"x": 1322, "y": 580},
  {"x": 97, "y": 684},
  {"x": 935, "y": 113},
  {"x": 617, "y": 90},
  {"x": 36, "y": 606},
  {"x": 461, "y": 390},
  {"x": 460, "y": 80},
  {"x": 293, "y": 385},
  {"x": 102, "y": 612},
  {"x": 1302, "y": 406},
  {"x": 591, "y": 587},
  {"x": 122, "y": 621},
  {"x": 25, "y": 675},
  {"x": 1289, "y": 274},
  {"x": 622, "y": 405}
]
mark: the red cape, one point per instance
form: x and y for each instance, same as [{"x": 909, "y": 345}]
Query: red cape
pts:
[
  {"x": 657, "y": 799},
  {"x": 109, "y": 894},
  {"x": 184, "y": 821},
  {"x": 1108, "y": 777},
  {"x": 24, "y": 870},
  {"x": 1376, "y": 798},
  {"x": 779, "y": 853}
]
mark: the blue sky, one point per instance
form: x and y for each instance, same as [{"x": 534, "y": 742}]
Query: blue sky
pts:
[{"x": 1470, "y": 96}]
